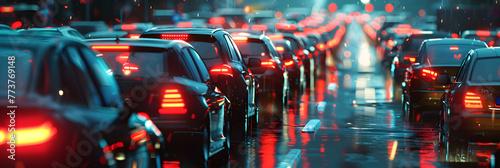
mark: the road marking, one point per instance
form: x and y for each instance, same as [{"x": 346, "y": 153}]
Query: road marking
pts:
[
  {"x": 291, "y": 159},
  {"x": 311, "y": 126}
]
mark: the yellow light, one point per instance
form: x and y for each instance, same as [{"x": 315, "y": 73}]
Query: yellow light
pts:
[
  {"x": 35, "y": 135},
  {"x": 393, "y": 151}
]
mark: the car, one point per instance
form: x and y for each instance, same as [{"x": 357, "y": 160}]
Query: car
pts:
[
  {"x": 435, "y": 57},
  {"x": 322, "y": 51},
  {"x": 57, "y": 31},
  {"x": 263, "y": 60},
  {"x": 66, "y": 110},
  {"x": 300, "y": 50},
  {"x": 469, "y": 102},
  {"x": 293, "y": 64},
  {"x": 407, "y": 56},
  {"x": 223, "y": 59},
  {"x": 490, "y": 37},
  {"x": 167, "y": 80}
]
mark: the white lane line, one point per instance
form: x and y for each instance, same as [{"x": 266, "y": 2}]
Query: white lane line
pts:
[
  {"x": 291, "y": 159},
  {"x": 311, "y": 126}
]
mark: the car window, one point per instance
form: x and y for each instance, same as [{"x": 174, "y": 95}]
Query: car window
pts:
[
  {"x": 103, "y": 77},
  {"x": 232, "y": 54},
  {"x": 486, "y": 70},
  {"x": 205, "y": 76},
  {"x": 196, "y": 76},
  {"x": 446, "y": 54},
  {"x": 236, "y": 50},
  {"x": 23, "y": 65},
  {"x": 463, "y": 67},
  {"x": 76, "y": 86}
]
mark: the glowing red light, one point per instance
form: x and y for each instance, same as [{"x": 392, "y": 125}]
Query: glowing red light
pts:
[
  {"x": 332, "y": 7},
  {"x": 369, "y": 7},
  {"x": 483, "y": 33},
  {"x": 389, "y": 7},
  {"x": 129, "y": 27},
  {"x": 259, "y": 27},
  {"x": 6, "y": 9},
  {"x": 17, "y": 24},
  {"x": 185, "y": 24},
  {"x": 217, "y": 20}
]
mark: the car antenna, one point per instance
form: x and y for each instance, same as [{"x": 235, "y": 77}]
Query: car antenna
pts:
[{"x": 117, "y": 40}]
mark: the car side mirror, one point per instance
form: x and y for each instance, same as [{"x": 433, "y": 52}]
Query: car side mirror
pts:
[
  {"x": 253, "y": 62},
  {"x": 443, "y": 79}
]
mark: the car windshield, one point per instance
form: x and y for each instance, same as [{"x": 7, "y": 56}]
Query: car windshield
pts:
[
  {"x": 22, "y": 70},
  {"x": 252, "y": 48},
  {"x": 447, "y": 54},
  {"x": 486, "y": 70},
  {"x": 149, "y": 64},
  {"x": 207, "y": 46}
]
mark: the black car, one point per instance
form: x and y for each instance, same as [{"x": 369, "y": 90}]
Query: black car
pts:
[
  {"x": 263, "y": 60},
  {"x": 435, "y": 57},
  {"x": 292, "y": 63},
  {"x": 223, "y": 59},
  {"x": 301, "y": 51},
  {"x": 66, "y": 110},
  {"x": 168, "y": 81},
  {"x": 470, "y": 101},
  {"x": 408, "y": 53}
]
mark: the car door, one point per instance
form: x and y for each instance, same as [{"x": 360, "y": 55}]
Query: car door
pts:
[{"x": 213, "y": 98}]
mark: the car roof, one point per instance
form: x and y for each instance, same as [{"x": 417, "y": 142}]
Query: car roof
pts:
[
  {"x": 141, "y": 42},
  {"x": 439, "y": 41},
  {"x": 49, "y": 29},
  {"x": 38, "y": 44},
  {"x": 430, "y": 34},
  {"x": 490, "y": 52},
  {"x": 205, "y": 31}
]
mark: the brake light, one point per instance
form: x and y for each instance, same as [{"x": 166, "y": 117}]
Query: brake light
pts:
[
  {"x": 221, "y": 70},
  {"x": 129, "y": 27},
  {"x": 268, "y": 63},
  {"x": 429, "y": 75},
  {"x": 6, "y": 9},
  {"x": 134, "y": 36},
  {"x": 110, "y": 47},
  {"x": 128, "y": 68},
  {"x": 122, "y": 58},
  {"x": 483, "y": 33},
  {"x": 412, "y": 60},
  {"x": 136, "y": 136},
  {"x": 32, "y": 135},
  {"x": 390, "y": 43},
  {"x": 454, "y": 48},
  {"x": 321, "y": 46},
  {"x": 473, "y": 101},
  {"x": 185, "y": 24},
  {"x": 174, "y": 36},
  {"x": 276, "y": 37},
  {"x": 240, "y": 38},
  {"x": 172, "y": 103},
  {"x": 217, "y": 20},
  {"x": 280, "y": 49},
  {"x": 259, "y": 27},
  {"x": 288, "y": 63}
]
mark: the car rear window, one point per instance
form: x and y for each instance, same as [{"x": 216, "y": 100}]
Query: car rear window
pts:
[
  {"x": 22, "y": 70},
  {"x": 413, "y": 44},
  {"x": 252, "y": 49},
  {"x": 208, "y": 48},
  {"x": 447, "y": 54},
  {"x": 150, "y": 64},
  {"x": 486, "y": 70}
]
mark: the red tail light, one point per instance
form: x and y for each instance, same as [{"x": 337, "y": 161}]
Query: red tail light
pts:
[
  {"x": 110, "y": 47},
  {"x": 280, "y": 49},
  {"x": 483, "y": 33},
  {"x": 172, "y": 103},
  {"x": 259, "y": 27},
  {"x": 429, "y": 75},
  {"x": 321, "y": 46},
  {"x": 240, "y": 38},
  {"x": 136, "y": 136},
  {"x": 128, "y": 68},
  {"x": 217, "y": 20},
  {"x": 473, "y": 101},
  {"x": 122, "y": 58},
  {"x": 221, "y": 70},
  {"x": 454, "y": 48},
  {"x": 276, "y": 37},
  {"x": 32, "y": 135},
  {"x": 289, "y": 63},
  {"x": 6, "y": 9},
  {"x": 268, "y": 63},
  {"x": 129, "y": 27},
  {"x": 174, "y": 36},
  {"x": 134, "y": 36},
  {"x": 185, "y": 24},
  {"x": 408, "y": 57}
]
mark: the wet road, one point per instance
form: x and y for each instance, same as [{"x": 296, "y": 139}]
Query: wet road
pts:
[{"x": 361, "y": 126}]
